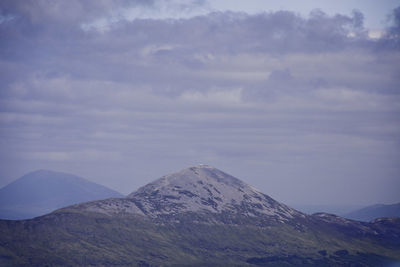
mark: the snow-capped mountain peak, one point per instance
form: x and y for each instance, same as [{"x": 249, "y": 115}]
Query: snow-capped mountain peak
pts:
[
  {"x": 205, "y": 188},
  {"x": 200, "y": 189}
]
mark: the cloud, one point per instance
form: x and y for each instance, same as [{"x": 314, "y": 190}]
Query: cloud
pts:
[
  {"x": 395, "y": 18},
  {"x": 272, "y": 93},
  {"x": 72, "y": 12}
]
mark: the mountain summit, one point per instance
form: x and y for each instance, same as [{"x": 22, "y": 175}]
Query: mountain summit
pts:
[
  {"x": 200, "y": 189},
  {"x": 205, "y": 188}
]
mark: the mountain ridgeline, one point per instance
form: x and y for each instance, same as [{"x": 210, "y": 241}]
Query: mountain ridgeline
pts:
[
  {"x": 40, "y": 192},
  {"x": 197, "y": 216},
  {"x": 373, "y": 212}
]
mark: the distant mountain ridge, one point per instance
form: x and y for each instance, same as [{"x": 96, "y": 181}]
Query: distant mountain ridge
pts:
[
  {"x": 199, "y": 216},
  {"x": 43, "y": 191},
  {"x": 327, "y": 208},
  {"x": 375, "y": 211}
]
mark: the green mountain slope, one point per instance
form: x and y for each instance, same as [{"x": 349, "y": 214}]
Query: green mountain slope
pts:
[
  {"x": 68, "y": 237},
  {"x": 166, "y": 224}
]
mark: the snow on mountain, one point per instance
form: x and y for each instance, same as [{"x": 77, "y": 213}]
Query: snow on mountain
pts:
[
  {"x": 110, "y": 206},
  {"x": 200, "y": 188}
]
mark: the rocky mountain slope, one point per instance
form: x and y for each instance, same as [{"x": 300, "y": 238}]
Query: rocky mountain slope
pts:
[
  {"x": 40, "y": 192},
  {"x": 196, "y": 189},
  {"x": 197, "y": 216}
]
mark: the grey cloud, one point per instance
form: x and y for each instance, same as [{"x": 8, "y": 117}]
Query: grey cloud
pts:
[
  {"x": 394, "y": 30},
  {"x": 274, "y": 93},
  {"x": 120, "y": 52},
  {"x": 282, "y": 82},
  {"x": 392, "y": 37},
  {"x": 73, "y": 12}
]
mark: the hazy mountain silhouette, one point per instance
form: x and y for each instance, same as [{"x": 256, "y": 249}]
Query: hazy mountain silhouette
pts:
[
  {"x": 43, "y": 191},
  {"x": 375, "y": 211}
]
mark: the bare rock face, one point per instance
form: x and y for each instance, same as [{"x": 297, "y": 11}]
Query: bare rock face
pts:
[
  {"x": 204, "y": 188},
  {"x": 197, "y": 189}
]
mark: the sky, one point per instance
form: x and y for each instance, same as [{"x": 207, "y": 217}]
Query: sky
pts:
[{"x": 300, "y": 101}]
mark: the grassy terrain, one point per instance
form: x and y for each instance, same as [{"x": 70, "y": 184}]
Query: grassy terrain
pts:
[{"x": 74, "y": 238}]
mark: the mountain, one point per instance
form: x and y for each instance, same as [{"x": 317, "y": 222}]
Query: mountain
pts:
[
  {"x": 43, "y": 191},
  {"x": 199, "y": 216},
  {"x": 327, "y": 208},
  {"x": 375, "y": 211},
  {"x": 197, "y": 189}
]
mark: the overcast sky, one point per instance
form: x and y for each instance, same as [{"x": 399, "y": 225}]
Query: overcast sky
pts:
[{"x": 302, "y": 103}]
